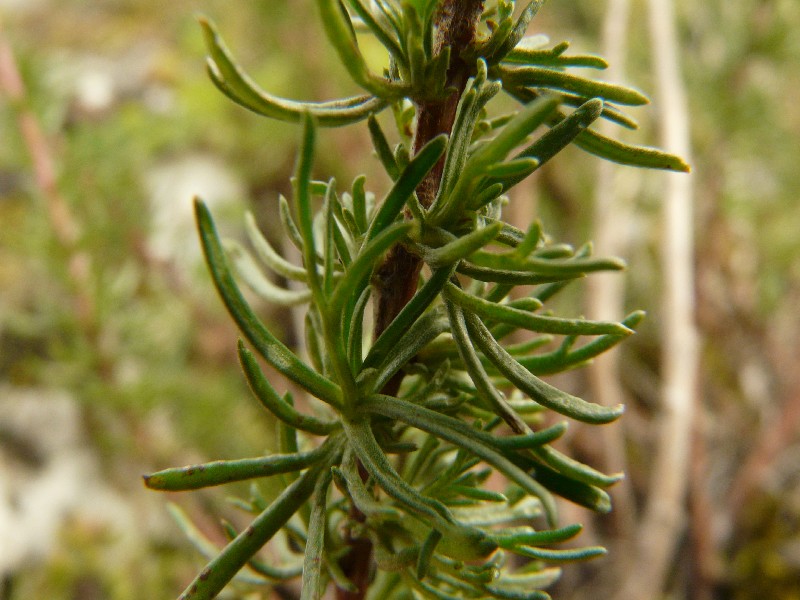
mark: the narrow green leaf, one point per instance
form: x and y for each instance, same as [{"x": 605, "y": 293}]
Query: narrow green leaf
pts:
[
  {"x": 561, "y": 135},
  {"x": 520, "y": 28},
  {"x": 487, "y": 195},
  {"x": 272, "y": 401},
  {"x": 626, "y": 154},
  {"x": 407, "y": 317},
  {"x": 478, "y": 493},
  {"x": 356, "y": 331},
  {"x": 267, "y": 254},
  {"x": 235, "y": 84},
  {"x": 538, "y": 390},
  {"x": 533, "y": 440},
  {"x": 360, "y": 495},
  {"x": 452, "y": 430},
  {"x": 339, "y": 30},
  {"x": 315, "y": 544},
  {"x": 532, "y": 322},
  {"x": 559, "y": 555},
  {"x": 209, "y": 550},
  {"x": 267, "y": 345},
  {"x": 313, "y": 332},
  {"x": 528, "y": 537},
  {"x": 280, "y": 573},
  {"x": 360, "y": 201},
  {"x": 289, "y": 226},
  {"x": 382, "y": 149},
  {"x": 548, "y": 265},
  {"x": 413, "y": 340},
  {"x": 248, "y": 270},
  {"x": 304, "y": 213},
  {"x": 329, "y": 247},
  {"x": 610, "y": 112},
  {"x": 538, "y": 77},
  {"x": 548, "y": 58},
  {"x": 491, "y": 48},
  {"x": 519, "y": 593},
  {"x": 405, "y": 185},
  {"x": 509, "y": 276},
  {"x": 519, "y": 167},
  {"x": 383, "y": 34},
  {"x": 533, "y": 115},
  {"x": 565, "y": 358},
  {"x": 461, "y": 247},
  {"x": 226, "y": 471},
  {"x": 574, "y": 469},
  {"x": 351, "y": 285},
  {"x": 372, "y": 458},
  {"x": 426, "y": 552},
  {"x": 209, "y": 583}
]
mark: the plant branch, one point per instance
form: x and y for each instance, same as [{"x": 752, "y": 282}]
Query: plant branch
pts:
[{"x": 395, "y": 280}]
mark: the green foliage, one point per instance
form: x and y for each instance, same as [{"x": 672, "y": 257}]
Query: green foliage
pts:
[{"x": 406, "y": 463}]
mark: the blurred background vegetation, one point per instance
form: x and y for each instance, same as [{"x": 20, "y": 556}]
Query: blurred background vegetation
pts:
[{"x": 116, "y": 358}]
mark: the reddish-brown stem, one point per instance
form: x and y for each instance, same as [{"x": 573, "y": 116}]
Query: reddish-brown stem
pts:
[{"x": 395, "y": 280}]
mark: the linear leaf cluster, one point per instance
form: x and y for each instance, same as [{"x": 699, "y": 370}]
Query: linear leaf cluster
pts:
[{"x": 414, "y": 464}]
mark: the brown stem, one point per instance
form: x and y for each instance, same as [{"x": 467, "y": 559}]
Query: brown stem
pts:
[{"x": 395, "y": 280}]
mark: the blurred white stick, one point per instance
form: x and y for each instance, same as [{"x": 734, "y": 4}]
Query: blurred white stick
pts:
[
  {"x": 606, "y": 291},
  {"x": 665, "y": 514}
]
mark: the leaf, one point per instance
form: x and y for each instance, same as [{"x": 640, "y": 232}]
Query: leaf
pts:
[
  {"x": 405, "y": 185},
  {"x": 533, "y": 440},
  {"x": 267, "y": 254},
  {"x": 356, "y": 331},
  {"x": 548, "y": 58},
  {"x": 358, "y": 492},
  {"x": 452, "y": 430},
  {"x": 354, "y": 280},
  {"x": 413, "y": 340},
  {"x": 289, "y": 226},
  {"x": 375, "y": 462},
  {"x": 626, "y": 154},
  {"x": 559, "y": 555},
  {"x": 249, "y": 271},
  {"x": 514, "y": 133},
  {"x": 315, "y": 544},
  {"x": 509, "y": 276},
  {"x": 382, "y": 149},
  {"x": 237, "y": 553},
  {"x": 574, "y": 469},
  {"x": 426, "y": 552},
  {"x": 273, "y": 351},
  {"x": 538, "y": 77},
  {"x": 461, "y": 247},
  {"x": 529, "y": 537},
  {"x": 520, "y": 28},
  {"x": 390, "y": 337},
  {"x": 301, "y": 186},
  {"x": 340, "y": 33},
  {"x": 383, "y": 34},
  {"x": 538, "y": 390},
  {"x": 467, "y": 113},
  {"x": 209, "y": 550},
  {"x": 267, "y": 395},
  {"x": 564, "y": 358},
  {"x": 532, "y": 322},
  {"x": 235, "y": 84},
  {"x": 226, "y": 471},
  {"x": 562, "y": 134}
]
